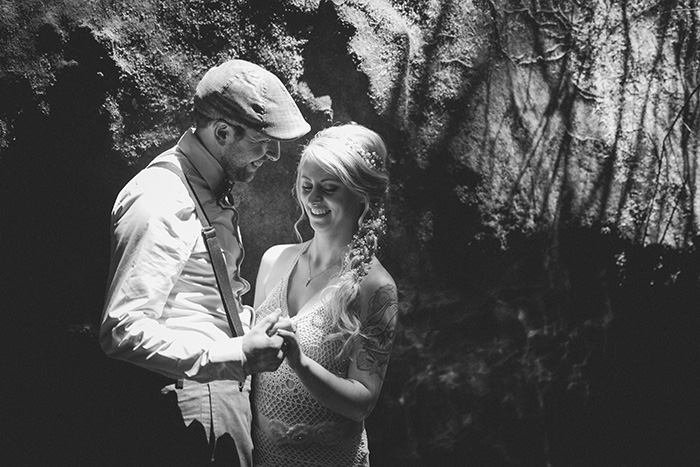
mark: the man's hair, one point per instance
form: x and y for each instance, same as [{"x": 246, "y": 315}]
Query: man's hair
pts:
[{"x": 202, "y": 121}]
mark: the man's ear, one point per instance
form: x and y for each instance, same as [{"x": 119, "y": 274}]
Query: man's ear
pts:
[{"x": 222, "y": 131}]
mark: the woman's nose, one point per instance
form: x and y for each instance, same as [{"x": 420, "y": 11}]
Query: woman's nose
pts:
[{"x": 315, "y": 195}]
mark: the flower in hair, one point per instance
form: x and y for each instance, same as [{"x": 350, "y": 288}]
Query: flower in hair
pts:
[{"x": 371, "y": 158}]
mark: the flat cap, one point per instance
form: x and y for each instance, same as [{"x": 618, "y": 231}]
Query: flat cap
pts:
[{"x": 245, "y": 93}]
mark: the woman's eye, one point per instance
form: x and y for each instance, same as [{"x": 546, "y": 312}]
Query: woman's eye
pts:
[
  {"x": 306, "y": 188},
  {"x": 330, "y": 189}
]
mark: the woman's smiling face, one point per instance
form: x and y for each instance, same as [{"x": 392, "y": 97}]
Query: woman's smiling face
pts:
[{"x": 329, "y": 204}]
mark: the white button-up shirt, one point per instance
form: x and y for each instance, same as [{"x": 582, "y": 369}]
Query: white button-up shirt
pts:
[{"x": 163, "y": 310}]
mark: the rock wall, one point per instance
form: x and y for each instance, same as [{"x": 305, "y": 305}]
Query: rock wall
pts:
[{"x": 543, "y": 210}]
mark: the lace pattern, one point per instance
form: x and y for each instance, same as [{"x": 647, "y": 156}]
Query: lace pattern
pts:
[{"x": 290, "y": 427}]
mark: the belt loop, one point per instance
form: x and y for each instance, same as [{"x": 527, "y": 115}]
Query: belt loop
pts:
[{"x": 179, "y": 384}]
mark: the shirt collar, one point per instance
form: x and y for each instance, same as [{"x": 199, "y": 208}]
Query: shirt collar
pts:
[{"x": 206, "y": 164}]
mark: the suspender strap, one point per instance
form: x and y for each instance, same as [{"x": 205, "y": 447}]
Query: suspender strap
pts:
[{"x": 232, "y": 306}]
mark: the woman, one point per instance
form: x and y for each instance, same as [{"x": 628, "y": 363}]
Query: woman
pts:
[{"x": 341, "y": 301}]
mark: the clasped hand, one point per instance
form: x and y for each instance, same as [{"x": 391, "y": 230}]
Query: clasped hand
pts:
[{"x": 263, "y": 347}]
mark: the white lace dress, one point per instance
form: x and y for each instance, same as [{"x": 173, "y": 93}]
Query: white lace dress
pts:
[{"x": 291, "y": 428}]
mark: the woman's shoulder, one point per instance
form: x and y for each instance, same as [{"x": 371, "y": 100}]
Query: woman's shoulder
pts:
[
  {"x": 282, "y": 252},
  {"x": 274, "y": 265},
  {"x": 378, "y": 287},
  {"x": 279, "y": 257},
  {"x": 377, "y": 277}
]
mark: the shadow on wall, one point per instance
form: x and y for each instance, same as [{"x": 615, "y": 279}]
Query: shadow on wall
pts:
[
  {"x": 56, "y": 196},
  {"x": 57, "y": 244},
  {"x": 599, "y": 368},
  {"x": 476, "y": 379}
]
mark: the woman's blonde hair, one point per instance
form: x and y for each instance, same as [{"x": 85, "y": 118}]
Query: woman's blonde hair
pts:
[{"x": 357, "y": 156}]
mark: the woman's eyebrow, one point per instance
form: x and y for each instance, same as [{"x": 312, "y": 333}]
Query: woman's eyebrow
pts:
[{"x": 324, "y": 180}]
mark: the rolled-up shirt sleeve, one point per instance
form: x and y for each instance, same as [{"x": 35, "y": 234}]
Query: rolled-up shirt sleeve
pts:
[{"x": 154, "y": 231}]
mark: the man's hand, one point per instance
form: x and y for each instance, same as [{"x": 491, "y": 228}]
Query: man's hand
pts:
[{"x": 262, "y": 346}]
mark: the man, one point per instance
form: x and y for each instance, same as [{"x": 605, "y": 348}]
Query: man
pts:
[{"x": 163, "y": 311}]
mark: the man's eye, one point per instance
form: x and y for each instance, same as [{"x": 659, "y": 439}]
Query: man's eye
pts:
[{"x": 306, "y": 187}]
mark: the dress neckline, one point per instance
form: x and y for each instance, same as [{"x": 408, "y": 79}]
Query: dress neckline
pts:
[{"x": 304, "y": 309}]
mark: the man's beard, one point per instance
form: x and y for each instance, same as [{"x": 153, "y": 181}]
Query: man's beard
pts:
[{"x": 236, "y": 173}]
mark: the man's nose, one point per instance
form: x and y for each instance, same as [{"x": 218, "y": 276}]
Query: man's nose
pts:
[{"x": 273, "y": 150}]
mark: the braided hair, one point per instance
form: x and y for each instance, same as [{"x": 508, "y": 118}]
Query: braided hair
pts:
[{"x": 357, "y": 156}]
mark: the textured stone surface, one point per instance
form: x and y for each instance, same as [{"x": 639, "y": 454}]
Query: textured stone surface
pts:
[{"x": 543, "y": 211}]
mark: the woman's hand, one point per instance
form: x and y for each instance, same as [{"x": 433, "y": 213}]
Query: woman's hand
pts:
[
  {"x": 263, "y": 350},
  {"x": 283, "y": 324},
  {"x": 294, "y": 354}
]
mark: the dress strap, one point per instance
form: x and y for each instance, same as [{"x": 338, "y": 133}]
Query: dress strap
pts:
[
  {"x": 293, "y": 264},
  {"x": 284, "y": 283}
]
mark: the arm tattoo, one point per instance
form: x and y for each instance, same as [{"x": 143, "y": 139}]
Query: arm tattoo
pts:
[{"x": 374, "y": 347}]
